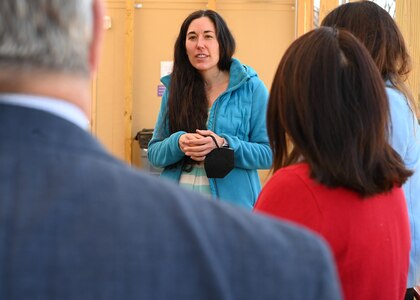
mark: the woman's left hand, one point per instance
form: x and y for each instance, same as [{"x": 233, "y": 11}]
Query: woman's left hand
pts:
[
  {"x": 198, "y": 149},
  {"x": 220, "y": 141}
]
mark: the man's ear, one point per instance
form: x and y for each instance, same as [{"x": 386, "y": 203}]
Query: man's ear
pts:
[{"x": 98, "y": 12}]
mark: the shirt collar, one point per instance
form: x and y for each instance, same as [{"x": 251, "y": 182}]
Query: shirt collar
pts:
[{"x": 61, "y": 108}]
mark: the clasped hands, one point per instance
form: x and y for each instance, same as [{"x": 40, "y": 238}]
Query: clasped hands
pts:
[{"x": 197, "y": 145}]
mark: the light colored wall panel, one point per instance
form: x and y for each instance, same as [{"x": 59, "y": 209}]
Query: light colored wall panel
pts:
[
  {"x": 262, "y": 30},
  {"x": 305, "y": 16},
  {"x": 325, "y": 6},
  {"x": 156, "y": 26},
  {"x": 108, "y": 110}
]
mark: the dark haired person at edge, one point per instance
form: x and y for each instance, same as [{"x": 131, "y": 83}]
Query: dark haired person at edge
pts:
[
  {"x": 209, "y": 93},
  {"x": 377, "y": 30},
  {"x": 335, "y": 172}
]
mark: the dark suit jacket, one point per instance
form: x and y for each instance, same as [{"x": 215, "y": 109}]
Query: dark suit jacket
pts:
[{"x": 76, "y": 223}]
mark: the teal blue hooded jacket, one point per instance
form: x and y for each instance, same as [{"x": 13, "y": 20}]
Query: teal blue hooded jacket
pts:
[{"x": 239, "y": 116}]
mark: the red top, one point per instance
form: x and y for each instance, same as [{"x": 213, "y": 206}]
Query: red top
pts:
[{"x": 370, "y": 237}]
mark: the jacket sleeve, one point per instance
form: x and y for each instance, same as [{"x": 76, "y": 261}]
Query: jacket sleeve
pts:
[
  {"x": 163, "y": 149},
  {"x": 256, "y": 152},
  {"x": 403, "y": 122}
]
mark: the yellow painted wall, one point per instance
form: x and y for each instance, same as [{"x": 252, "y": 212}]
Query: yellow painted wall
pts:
[
  {"x": 262, "y": 31},
  {"x": 305, "y": 16},
  {"x": 325, "y": 6},
  {"x": 108, "y": 107}
]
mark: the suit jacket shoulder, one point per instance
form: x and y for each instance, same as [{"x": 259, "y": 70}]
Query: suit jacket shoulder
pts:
[{"x": 77, "y": 223}]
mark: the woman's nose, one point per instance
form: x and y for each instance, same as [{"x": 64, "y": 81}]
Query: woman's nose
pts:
[{"x": 200, "y": 42}]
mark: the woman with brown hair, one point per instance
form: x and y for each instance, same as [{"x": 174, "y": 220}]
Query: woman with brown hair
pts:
[
  {"x": 376, "y": 29},
  {"x": 335, "y": 172},
  {"x": 212, "y": 100}
]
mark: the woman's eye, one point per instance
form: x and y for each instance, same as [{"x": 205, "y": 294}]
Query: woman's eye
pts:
[{"x": 192, "y": 38}]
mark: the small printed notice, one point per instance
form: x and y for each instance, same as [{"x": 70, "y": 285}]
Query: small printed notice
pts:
[{"x": 160, "y": 90}]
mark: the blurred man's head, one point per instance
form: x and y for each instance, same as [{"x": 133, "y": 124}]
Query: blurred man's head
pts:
[
  {"x": 50, "y": 48},
  {"x": 50, "y": 35}
]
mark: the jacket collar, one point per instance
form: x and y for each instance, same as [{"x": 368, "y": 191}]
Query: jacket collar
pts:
[{"x": 238, "y": 74}]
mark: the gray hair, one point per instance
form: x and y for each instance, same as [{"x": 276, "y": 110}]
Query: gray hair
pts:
[{"x": 47, "y": 34}]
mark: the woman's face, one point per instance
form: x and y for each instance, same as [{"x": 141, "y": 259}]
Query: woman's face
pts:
[{"x": 202, "y": 45}]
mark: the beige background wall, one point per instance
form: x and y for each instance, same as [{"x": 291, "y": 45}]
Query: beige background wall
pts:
[{"x": 112, "y": 85}]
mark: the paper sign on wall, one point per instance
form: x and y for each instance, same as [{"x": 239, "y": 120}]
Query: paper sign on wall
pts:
[{"x": 165, "y": 69}]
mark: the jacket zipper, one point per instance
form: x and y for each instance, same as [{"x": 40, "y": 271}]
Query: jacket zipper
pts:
[
  {"x": 214, "y": 123},
  {"x": 213, "y": 128}
]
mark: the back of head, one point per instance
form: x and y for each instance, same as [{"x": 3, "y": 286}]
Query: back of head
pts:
[
  {"x": 45, "y": 34},
  {"x": 377, "y": 30},
  {"x": 328, "y": 99}
]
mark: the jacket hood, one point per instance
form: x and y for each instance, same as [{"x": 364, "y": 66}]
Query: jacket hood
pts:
[{"x": 239, "y": 74}]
